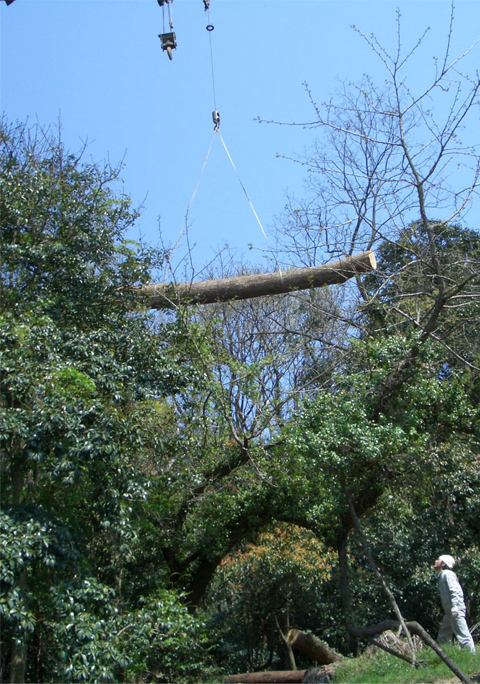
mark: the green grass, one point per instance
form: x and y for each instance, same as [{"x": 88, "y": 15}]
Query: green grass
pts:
[{"x": 377, "y": 667}]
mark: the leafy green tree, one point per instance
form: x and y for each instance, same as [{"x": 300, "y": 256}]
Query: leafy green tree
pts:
[
  {"x": 406, "y": 291},
  {"x": 283, "y": 580},
  {"x": 138, "y": 453},
  {"x": 80, "y": 369},
  {"x": 380, "y": 394},
  {"x": 257, "y": 360},
  {"x": 393, "y": 171},
  {"x": 397, "y": 457},
  {"x": 378, "y": 169},
  {"x": 165, "y": 640}
]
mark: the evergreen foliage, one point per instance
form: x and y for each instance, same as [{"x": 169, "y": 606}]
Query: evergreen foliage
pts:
[
  {"x": 79, "y": 371},
  {"x": 177, "y": 492}
]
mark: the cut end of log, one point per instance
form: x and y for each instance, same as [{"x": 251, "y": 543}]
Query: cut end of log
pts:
[{"x": 312, "y": 647}]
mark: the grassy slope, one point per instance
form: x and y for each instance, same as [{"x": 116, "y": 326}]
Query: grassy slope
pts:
[{"x": 377, "y": 667}]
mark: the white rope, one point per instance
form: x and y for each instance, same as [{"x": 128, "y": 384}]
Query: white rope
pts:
[
  {"x": 250, "y": 202},
  {"x": 184, "y": 226},
  {"x": 217, "y": 131}
]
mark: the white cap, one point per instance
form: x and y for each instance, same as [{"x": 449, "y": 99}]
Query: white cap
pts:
[{"x": 448, "y": 560}]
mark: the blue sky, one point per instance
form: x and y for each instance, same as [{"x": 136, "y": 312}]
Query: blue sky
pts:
[{"x": 98, "y": 66}]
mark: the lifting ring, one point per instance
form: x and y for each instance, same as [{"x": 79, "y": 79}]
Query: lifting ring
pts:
[{"x": 210, "y": 27}]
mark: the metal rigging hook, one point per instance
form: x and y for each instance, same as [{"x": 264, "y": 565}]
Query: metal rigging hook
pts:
[{"x": 206, "y": 7}]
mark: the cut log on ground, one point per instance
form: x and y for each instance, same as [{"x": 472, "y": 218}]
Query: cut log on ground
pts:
[
  {"x": 323, "y": 673},
  {"x": 415, "y": 628},
  {"x": 312, "y": 647},
  {"x": 267, "y": 677},
  {"x": 170, "y": 295}
]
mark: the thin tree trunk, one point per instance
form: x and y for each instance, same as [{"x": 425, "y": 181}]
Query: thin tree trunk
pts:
[
  {"x": 170, "y": 295},
  {"x": 291, "y": 656},
  {"x": 18, "y": 663},
  {"x": 345, "y": 593},
  {"x": 378, "y": 574}
]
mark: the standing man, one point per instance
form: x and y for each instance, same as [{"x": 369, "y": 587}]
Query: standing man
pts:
[{"x": 453, "y": 603}]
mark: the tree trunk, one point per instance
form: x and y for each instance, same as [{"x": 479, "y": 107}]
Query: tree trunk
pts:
[
  {"x": 170, "y": 295},
  {"x": 273, "y": 676},
  {"x": 378, "y": 574},
  {"x": 18, "y": 664},
  {"x": 291, "y": 656},
  {"x": 416, "y": 628},
  {"x": 312, "y": 647},
  {"x": 345, "y": 592}
]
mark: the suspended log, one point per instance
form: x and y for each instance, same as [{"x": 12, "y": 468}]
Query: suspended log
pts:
[
  {"x": 312, "y": 647},
  {"x": 170, "y": 295},
  {"x": 267, "y": 677},
  {"x": 415, "y": 628}
]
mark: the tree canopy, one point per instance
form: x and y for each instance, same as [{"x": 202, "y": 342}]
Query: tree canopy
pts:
[
  {"x": 82, "y": 375},
  {"x": 180, "y": 488}
]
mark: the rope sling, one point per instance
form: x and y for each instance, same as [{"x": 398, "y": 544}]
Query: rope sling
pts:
[{"x": 168, "y": 42}]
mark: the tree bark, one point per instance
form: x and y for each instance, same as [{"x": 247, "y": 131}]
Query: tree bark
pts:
[
  {"x": 288, "y": 646},
  {"x": 345, "y": 592},
  {"x": 170, "y": 295},
  {"x": 18, "y": 663},
  {"x": 416, "y": 628},
  {"x": 273, "y": 676},
  {"x": 312, "y": 647}
]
